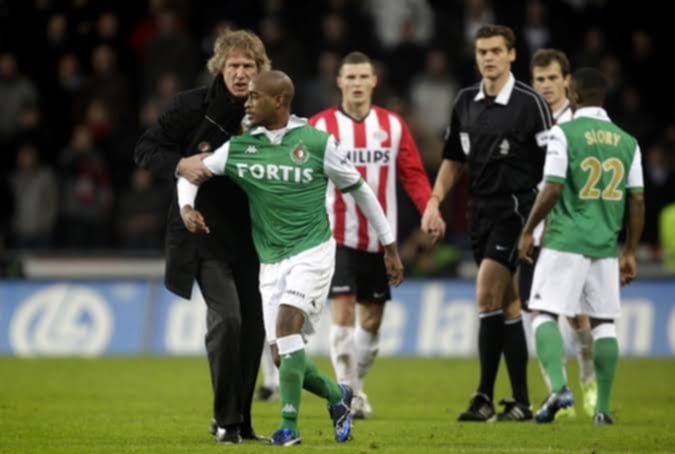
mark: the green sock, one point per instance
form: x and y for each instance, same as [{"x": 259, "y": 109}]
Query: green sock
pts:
[
  {"x": 316, "y": 382},
  {"x": 605, "y": 357},
  {"x": 291, "y": 374},
  {"x": 549, "y": 344}
]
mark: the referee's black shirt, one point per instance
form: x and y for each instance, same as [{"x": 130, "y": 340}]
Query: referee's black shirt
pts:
[{"x": 503, "y": 138}]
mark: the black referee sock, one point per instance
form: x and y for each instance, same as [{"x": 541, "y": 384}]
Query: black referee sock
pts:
[
  {"x": 490, "y": 341},
  {"x": 515, "y": 354}
]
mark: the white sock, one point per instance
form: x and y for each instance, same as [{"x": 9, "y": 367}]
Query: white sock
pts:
[
  {"x": 367, "y": 346},
  {"x": 583, "y": 344},
  {"x": 269, "y": 369},
  {"x": 604, "y": 330},
  {"x": 342, "y": 354}
]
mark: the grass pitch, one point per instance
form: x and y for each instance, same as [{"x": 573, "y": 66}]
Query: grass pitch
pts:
[{"x": 162, "y": 405}]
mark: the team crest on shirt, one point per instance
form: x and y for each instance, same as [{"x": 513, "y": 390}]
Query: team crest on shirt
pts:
[
  {"x": 300, "y": 153},
  {"x": 380, "y": 135}
]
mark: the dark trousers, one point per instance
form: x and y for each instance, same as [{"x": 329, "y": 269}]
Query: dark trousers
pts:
[{"x": 234, "y": 336}]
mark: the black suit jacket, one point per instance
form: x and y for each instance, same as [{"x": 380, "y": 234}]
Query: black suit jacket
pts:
[{"x": 198, "y": 120}]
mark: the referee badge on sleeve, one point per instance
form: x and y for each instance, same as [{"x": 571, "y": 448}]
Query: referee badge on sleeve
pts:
[{"x": 466, "y": 143}]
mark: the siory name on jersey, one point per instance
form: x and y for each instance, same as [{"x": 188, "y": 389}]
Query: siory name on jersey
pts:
[
  {"x": 275, "y": 172},
  {"x": 365, "y": 156},
  {"x": 601, "y": 136}
]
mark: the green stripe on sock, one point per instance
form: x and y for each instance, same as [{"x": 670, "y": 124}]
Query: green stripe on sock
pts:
[
  {"x": 605, "y": 357},
  {"x": 291, "y": 376},
  {"x": 550, "y": 351},
  {"x": 316, "y": 382}
]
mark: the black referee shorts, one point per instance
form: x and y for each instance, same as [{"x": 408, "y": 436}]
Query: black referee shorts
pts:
[
  {"x": 495, "y": 226},
  {"x": 360, "y": 273}
]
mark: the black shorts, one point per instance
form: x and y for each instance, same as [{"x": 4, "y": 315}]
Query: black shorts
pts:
[
  {"x": 360, "y": 273},
  {"x": 525, "y": 275},
  {"x": 495, "y": 226}
]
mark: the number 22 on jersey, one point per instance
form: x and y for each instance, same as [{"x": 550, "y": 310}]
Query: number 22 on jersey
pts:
[{"x": 595, "y": 168}]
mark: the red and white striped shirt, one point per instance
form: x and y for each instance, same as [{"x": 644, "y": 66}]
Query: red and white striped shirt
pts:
[{"x": 381, "y": 148}]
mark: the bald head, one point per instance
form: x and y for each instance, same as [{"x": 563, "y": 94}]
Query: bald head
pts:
[
  {"x": 276, "y": 83},
  {"x": 269, "y": 99}
]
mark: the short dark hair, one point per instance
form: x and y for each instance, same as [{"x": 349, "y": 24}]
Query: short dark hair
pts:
[
  {"x": 544, "y": 57},
  {"x": 590, "y": 86},
  {"x": 488, "y": 31},
  {"x": 354, "y": 58}
]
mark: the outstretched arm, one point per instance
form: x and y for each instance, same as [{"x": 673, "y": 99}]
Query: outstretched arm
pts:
[
  {"x": 370, "y": 206},
  {"x": 342, "y": 172}
]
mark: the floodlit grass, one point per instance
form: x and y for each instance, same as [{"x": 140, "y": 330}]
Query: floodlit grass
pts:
[{"x": 163, "y": 405}]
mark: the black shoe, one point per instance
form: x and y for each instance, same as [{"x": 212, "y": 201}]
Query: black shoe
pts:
[
  {"x": 250, "y": 435},
  {"x": 554, "y": 402},
  {"x": 602, "y": 418},
  {"x": 228, "y": 435},
  {"x": 265, "y": 393},
  {"x": 480, "y": 410},
  {"x": 514, "y": 411}
]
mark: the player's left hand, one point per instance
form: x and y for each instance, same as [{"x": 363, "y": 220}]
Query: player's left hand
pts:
[
  {"x": 436, "y": 229},
  {"x": 627, "y": 269},
  {"x": 194, "y": 220},
  {"x": 525, "y": 247},
  {"x": 432, "y": 222},
  {"x": 392, "y": 261}
]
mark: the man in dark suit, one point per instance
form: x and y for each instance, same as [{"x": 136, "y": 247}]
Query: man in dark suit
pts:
[{"x": 224, "y": 262}]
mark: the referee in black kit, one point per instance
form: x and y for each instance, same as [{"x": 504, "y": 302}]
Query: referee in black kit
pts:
[{"x": 498, "y": 128}]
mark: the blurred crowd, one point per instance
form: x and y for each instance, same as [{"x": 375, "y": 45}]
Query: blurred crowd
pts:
[{"x": 80, "y": 80}]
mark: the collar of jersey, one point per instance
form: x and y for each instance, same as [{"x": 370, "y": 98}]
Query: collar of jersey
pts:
[
  {"x": 293, "y": 122},
  {"x": 562, "y": 110},
  {"x": 504, "y": 94},
  {"x": 592, "y": 112}
]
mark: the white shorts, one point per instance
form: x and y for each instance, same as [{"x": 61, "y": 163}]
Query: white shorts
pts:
[
  {"x": 301, "y": 281},
  {"x": 571, "y": 284}
]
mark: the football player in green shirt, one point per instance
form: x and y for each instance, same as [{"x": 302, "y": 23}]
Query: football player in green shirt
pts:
[
  {"x": 551, "y": 75},
  {"x": 283, "y": 164},
  {"x": 592, "y": 168}
]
